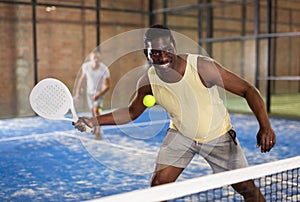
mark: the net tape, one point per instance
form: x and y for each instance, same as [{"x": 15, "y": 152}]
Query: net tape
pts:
[
  {"x": 278, "y": 181},
  {"x": 281, "y": 78}
]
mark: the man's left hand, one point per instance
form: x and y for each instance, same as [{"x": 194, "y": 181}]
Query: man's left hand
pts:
[{"x": 266, "y": 139}]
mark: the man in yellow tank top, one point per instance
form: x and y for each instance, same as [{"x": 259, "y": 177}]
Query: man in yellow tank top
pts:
[{"x": 185, "y": 85}]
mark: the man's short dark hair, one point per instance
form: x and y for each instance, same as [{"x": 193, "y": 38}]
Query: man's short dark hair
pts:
[{"x": 156, "y": 31}]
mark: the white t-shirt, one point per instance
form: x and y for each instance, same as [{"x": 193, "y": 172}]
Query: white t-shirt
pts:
[{"x": 95, "y": 77}]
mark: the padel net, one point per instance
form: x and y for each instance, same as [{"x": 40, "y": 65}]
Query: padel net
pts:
[{"x": 278, "y": 181}]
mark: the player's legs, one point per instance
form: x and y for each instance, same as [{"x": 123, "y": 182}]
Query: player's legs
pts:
[
  {"x": 96, "y": 112},
  {"x": 165, "y": 174},
  {"x": 223, "y": 154},
  {"x": 173, "y": 157},
  {"x": 94, "y": 107},
  {"x": 249, "y": 191}
]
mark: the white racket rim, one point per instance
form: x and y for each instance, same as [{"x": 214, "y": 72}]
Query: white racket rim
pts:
[{"x": 68, "y": 104}]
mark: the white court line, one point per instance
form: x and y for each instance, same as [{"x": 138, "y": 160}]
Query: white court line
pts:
[
  {"x": 67, "y": 134},
  {"x": 24, "y": 137},
  {"x": 103, "y": 142},
  {"x": 103, "y": 127},
  {"x": 71, "y": 134},
  {"x": 141, "y": 151}
]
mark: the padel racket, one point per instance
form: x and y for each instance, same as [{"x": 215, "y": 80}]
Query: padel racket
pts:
[{"x": 51, "y": 99}]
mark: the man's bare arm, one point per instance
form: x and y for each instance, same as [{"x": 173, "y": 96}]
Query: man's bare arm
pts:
[
  {"x": 122, "y": 115},
  {"x": 215, "y": 74}
]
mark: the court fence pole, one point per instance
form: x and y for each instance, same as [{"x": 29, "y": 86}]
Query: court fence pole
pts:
[
  {"x": 98, "y": 21},
  {"x": 152, "y": 18},
  {"x": 257, "y": 42},
  {"x": 269, "y": 55},
  {"x": 34, "y": 39}
]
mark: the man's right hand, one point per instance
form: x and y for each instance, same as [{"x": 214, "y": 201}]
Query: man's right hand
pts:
[{"x": 83, "y": 122}]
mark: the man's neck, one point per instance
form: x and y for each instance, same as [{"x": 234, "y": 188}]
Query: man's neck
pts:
[{"x": 95, "y": 66}]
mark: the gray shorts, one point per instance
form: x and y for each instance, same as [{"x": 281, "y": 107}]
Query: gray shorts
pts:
[
  {"x": 92, "y": 103},
  {"x": 222, "y": 154}
]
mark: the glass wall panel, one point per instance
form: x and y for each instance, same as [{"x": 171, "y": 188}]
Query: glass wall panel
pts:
[{"x": 16, "y": 59}]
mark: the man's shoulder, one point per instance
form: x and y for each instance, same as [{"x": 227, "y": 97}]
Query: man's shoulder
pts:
[
  {"x": 85, "y": 67},
  {"x": 86, "y": 64},
  {"x": 183, "y": 56},
  {"x": 192, "y": 57},
  {"x": 103, "y": 65},
  {"x": 144, "y": 79}
]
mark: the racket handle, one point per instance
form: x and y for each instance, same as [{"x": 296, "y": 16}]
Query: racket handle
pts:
[{"x": 88, "y": 129}]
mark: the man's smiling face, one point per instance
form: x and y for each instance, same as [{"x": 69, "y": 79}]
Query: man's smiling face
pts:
[{"x": 161, "y": 53}]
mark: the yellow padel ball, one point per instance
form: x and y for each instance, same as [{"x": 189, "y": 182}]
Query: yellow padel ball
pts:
[{"x": 149, "y": 100}]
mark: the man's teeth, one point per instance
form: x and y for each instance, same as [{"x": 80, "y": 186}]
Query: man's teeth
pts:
[{"x": 165, "y": 64}]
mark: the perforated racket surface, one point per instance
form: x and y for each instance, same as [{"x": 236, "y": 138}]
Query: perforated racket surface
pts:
[{"x": 51, "y": 99}]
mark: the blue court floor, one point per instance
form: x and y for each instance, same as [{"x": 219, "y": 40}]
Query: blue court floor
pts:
[{"x": 44, "y": 160}]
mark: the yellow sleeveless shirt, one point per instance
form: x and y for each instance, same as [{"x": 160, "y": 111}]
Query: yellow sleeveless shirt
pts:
[{"x": 196, "y": 111}]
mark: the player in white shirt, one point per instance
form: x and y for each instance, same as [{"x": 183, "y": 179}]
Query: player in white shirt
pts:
[{"x": 97, "y": 76}]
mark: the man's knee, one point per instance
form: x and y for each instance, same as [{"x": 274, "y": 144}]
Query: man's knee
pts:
[
  {"x": 160, "y": 178},
  {"x": 165, "y": 175}
]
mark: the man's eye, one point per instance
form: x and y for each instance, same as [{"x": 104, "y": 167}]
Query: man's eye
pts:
[{"x": 155, "y": 53}]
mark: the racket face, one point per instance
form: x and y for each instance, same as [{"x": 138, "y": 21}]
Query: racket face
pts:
[{"x": 51, "y": 99}]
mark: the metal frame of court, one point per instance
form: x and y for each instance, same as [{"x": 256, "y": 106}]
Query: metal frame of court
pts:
[{"x": 208, "y": 40}]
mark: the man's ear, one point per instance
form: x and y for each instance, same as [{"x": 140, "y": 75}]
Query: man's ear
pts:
[{"x": 146, "y": 53}]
